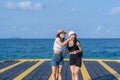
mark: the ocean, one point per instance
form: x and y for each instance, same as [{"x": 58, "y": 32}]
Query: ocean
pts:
[{"x": 12, "y": 49}]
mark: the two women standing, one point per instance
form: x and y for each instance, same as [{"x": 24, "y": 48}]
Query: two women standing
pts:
[{"x": 72, "y": 46}]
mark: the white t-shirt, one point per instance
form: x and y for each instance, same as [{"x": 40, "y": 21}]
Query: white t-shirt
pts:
[{"x": 57, "y": 46}]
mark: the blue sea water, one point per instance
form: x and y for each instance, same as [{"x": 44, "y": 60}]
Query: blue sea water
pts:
[{"x": 43, "y": 48}]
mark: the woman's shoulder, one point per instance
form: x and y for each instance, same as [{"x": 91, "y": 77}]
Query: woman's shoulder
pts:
[
  {"x": 57, "y": 38},
  {"x": 77, "y": 42}
]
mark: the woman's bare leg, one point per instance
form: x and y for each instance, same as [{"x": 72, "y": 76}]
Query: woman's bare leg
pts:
[
  {"x": 72, "y": 68},
  {"x": 77, "y": 69},
  {"x": 60, "y": 72},
  {"x": 54, "y": 72}
]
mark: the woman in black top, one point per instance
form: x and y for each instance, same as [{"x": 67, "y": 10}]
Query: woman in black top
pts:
[{"x": 75, "y": 50}]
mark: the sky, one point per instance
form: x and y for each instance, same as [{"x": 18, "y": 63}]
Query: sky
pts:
[{"x": 42, "y": 18}]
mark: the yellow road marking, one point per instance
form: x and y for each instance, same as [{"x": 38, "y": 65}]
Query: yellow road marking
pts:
[
  {"x": 9, "y": 67},
  {"x": 57, "y": 73},
  {"x": 50, "y": 78},
  {"x": 32, "y": 60},
  {"x": 85, "y": 73},
  {"x": 112, "y": 71},
  {"x": 111, "y": 60},
  {"x": 25, "y": 73},
  {"x": 118, "y": 61},
  {"x": 66, "y": 59}
]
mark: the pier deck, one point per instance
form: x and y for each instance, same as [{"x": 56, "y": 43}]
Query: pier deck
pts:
[{"x": 92, "y": 69}]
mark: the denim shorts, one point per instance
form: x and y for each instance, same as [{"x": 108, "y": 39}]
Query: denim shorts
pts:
[{"x": 57, "y": 59}]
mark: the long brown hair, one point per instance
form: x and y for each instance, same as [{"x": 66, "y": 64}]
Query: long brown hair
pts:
[{"x": 60, "y": 37}]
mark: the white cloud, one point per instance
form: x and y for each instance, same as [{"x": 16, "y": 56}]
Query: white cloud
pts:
[
  {"x": 108, "y": 30},
  {"x": 38, "y": 6},
  {"x": 72, "y": 10},
  {"x": 115, "y": 11},
  {"x": 24, "y": 5},
  {"x": 99, "y": 28}
]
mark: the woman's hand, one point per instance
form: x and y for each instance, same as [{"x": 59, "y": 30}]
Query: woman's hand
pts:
[
  {"x": 70, "y": 38},
  {"x": 76, "y": 51}
]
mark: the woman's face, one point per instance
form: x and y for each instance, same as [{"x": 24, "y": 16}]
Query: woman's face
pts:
[
  {"x": 73, "y": 36},
  {"x": 62, "y": 35}
]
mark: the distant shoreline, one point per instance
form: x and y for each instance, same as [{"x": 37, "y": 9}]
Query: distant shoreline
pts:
[{"x": 54, "y": 38}]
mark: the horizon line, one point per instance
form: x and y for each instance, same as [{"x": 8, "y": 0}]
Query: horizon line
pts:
[{"x": 54, "y": 38}]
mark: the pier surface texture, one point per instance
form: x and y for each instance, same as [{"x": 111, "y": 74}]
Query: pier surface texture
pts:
[{"x": 40, "y": 69}]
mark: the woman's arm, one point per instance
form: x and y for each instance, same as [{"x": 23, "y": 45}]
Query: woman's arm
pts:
[
  {"x": 79, "y": 46},
  {"x": 63, "y": 43}
]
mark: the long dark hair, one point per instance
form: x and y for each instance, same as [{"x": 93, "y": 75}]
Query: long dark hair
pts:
[
  {"x": 75, "y": 40},
  {"x": 75, "y": 37},
  {"x": 58, "y": 35}
]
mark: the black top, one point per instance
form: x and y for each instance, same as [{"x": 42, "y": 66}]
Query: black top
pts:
[{"x": 72, "y": 48}]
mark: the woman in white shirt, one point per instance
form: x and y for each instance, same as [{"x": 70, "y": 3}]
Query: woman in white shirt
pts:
[{"x": 57, "y": 58}]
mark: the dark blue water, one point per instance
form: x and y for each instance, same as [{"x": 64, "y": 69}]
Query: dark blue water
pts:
[{"x": 43, "y": 48}]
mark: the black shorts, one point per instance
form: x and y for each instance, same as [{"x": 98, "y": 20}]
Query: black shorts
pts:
[{"x": 76, "y": 59}]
